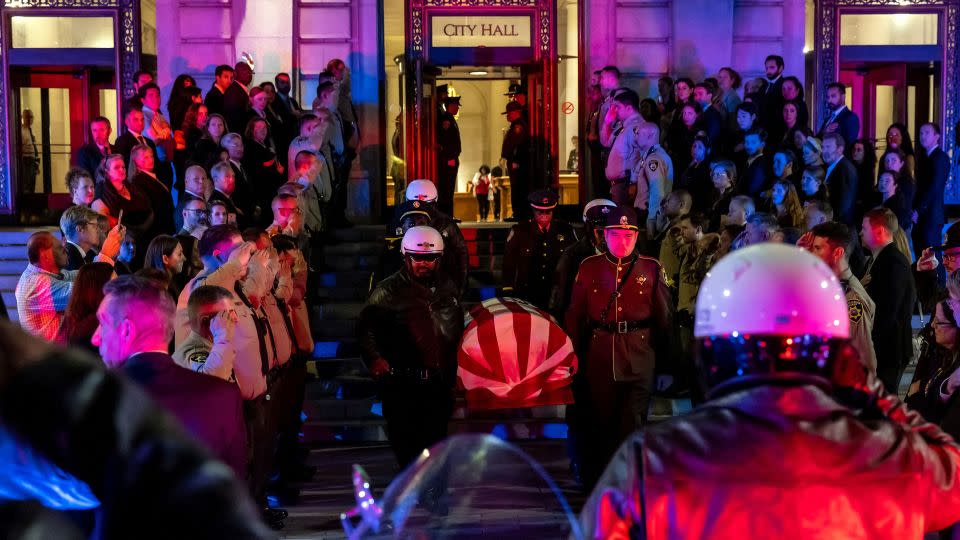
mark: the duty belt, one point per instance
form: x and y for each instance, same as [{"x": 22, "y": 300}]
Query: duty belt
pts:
[
  {"x": 623, "y": 327},
  {"x": 421, "y": 374}
]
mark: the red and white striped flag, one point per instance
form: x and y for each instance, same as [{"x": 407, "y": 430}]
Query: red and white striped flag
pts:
[{"x": 514, "y": 355}]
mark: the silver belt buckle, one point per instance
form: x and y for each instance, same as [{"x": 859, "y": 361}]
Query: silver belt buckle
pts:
[{"x": 622, "y": 327}]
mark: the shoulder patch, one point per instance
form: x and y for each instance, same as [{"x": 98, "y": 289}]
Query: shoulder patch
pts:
[
  {"x": 653, "y": 165},
  {"x": 855, "y": 310},
  {"x": 198, "y": 357}
]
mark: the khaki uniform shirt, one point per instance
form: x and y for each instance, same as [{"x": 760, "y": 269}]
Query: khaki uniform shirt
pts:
[
  {"x": 861, "y": 310},
  {"x": 199, "y": 354},
  {"x": 653, "y": 174}
]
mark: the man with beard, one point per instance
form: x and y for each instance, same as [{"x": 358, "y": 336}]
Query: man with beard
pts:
[{"x": 409, "y": 332}]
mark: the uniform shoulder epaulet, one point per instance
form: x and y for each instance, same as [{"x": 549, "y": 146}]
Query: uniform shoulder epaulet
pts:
[
  {"x": 649, "y": 258},
  {"x": 594, "y": 257}
]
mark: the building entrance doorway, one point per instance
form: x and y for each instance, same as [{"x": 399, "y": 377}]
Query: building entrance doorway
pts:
[
  {"x": 478, "y": 52},
  {"x": 54, "y": 105}
]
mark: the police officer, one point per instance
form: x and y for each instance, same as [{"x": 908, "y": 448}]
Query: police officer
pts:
[
  {"x": 515, "y": 158},
  {"x": 518, "y": 93},
  {"x": 829, "y": 241},
  {"x": 652, "y": 173},
  {"x": 618, "y": 320},
  {"x": 779, "y": 445},
  {"x": 455, "y": 262},
  {"x": 448, "y": 154},
  {"x": 411, "y": 214},
  {"x": 591, "y": 243},
  {"x": 533, "y": 250},
  {"x": 409, "y": 332}
]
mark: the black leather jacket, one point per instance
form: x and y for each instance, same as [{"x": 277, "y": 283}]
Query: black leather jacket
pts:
[
  {"x": 151, "y": 479},
  {"x": 411, "y": 325}
]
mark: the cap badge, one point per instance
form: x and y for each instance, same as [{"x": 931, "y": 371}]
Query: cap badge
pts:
[
  {"x": 624, "y": 221},
  {"x": 416, "y": 204},
  {"x": 605, "y": 210}
]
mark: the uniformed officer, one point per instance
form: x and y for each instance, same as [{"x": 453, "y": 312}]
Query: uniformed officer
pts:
[
  {"x": 409, "y": 333},
  {"x": 209, "y": 347},
  {"x": 618, "y": 133},
  {"x": 619, "y": 320},
  {"x": 652, "y": 173},
  {"x": 518, "y": 93},
  {"x": 411, "y": 214},
  {"x": 533, "y": 250},
  {"x": 829, "y": 241},
  {"x": 591, "y": 243},
  {"x": 455, "y": 262},
  {"x": 448, "y": 154},
  {"x": 515, "y": 157}
]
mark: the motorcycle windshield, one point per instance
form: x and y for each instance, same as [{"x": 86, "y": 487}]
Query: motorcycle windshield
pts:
[{"x": 475, "y": 486}]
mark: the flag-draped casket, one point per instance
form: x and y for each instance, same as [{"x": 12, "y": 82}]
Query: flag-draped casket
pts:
[{"x": 514, "y": 355}]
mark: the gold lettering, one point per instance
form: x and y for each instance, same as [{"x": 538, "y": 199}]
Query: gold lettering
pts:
[
  {"x": 486, "y": 29},
  {"x": 450, "y": 30}
]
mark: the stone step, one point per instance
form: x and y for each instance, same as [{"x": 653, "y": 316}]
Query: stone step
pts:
[
  {"x": 334, "y": 329},
  {"x": 352, "y": 278},
  {"x": 339, "y": 310},
  {"x": 342, "y": 294},
  {"x": 13, "y": 267},
  {"x": 339, "y": 348},
  {"x": 8, "y": 282},
  {"x": 13, "y": 252},
  {"x": 346, "y": 249},
  {"x": 365, "y": 263},
  {"x": 19, "y": 235},
  {"x": 359, "y": 233},
  {"x": 9, "y": 299}
]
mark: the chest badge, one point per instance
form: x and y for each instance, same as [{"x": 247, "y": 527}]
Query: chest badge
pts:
[
  {"x": 560, "y": 237},
  {"x": 641, "y": 279}
]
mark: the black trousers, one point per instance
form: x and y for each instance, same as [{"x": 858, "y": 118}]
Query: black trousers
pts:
[
  {"x": 496, "y": 205},
  {"x": 261, "y": 442},
  {"x": 446, "y": 185},
  {"x": 483, "y": 205},
  {"x": 519, "y": 189},
  {"x": 417, "y": 414}
]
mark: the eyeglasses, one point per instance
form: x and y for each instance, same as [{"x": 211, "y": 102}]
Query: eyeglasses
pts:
[{"x": 425, "y": 257}]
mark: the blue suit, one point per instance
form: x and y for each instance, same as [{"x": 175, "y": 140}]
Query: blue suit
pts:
[{"x": 932, "y": 173}]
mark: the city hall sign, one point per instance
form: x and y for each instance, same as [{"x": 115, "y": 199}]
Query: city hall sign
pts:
[{"x": 480, "y": 31}]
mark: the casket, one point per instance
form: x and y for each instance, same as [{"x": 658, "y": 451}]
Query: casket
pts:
[{"x": 514, "y": 355}]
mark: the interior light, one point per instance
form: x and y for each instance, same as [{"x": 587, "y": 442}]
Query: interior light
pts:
[{"x": 478, "y": 73}]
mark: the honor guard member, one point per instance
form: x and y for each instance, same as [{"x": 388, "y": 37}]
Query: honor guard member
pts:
[
  {"x": 455, "y": 262},
  {"x": 829, "y": 241},
  {"x": 409, "y": 333},
  {"x": 619, "y": 320},
  {"x": 518, "y": 93},
  {"x": 448, "y": 154},
  {"x": 653, "y": 174},
  {"x": 515, "y": 158},
  {"x": 411, "y": 214},
  {"x": 533, "y": 250},
  {"x": 796, "y": 439},
  {"x": 591, "y": 243}
]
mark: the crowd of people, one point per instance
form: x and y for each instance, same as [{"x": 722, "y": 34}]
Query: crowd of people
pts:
[
  {"x": 191, "y": 255},
  {"x": 193, "y": 242}
]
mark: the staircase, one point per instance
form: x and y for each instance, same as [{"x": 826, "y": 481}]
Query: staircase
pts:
[{"x": 13, "y": 261}]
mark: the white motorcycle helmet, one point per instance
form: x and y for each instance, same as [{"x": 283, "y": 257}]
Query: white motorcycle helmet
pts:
[
  {"x": 770, "y": 311},
  {"x": 421, "y": 190},
  {"x": 421, "y": 240}
]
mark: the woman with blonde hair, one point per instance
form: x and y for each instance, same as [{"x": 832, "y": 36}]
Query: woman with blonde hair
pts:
[{"x": 785, "y": 204}]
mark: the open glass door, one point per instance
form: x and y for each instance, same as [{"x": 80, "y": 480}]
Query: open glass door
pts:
[
  {"x": 51, "y": 108},
  {"x": 884, "y": 99}
]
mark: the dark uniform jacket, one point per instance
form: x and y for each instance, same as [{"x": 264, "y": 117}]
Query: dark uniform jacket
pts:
[
  {"x": 889, "y": 283},
  {"x": 531, "y": 258},
  {"x": 516, "y": 146},
  {"x": 448, "y": 138},
  {"x": 896, "y": 474},
  {"x": 567, "y": 268},
  {"x": 627, "y": 331},
  {"x": 412, "y": 326}
]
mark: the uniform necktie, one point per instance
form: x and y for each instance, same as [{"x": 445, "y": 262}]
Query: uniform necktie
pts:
[{"x": 261, "y": 331}]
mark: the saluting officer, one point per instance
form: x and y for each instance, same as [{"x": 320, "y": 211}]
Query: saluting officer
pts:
[
  {"x": 448, "y": 154},
  {"x": 594, "y": 220},
  {"x": 653, "y": 174},
  {"x": 409, "y": 333},
  {"x": 515, "y": 157},
  {"x": 829, "y": 241},
  {"x": 533, "y": 250},
  {"x": 619, "y": 320}
]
